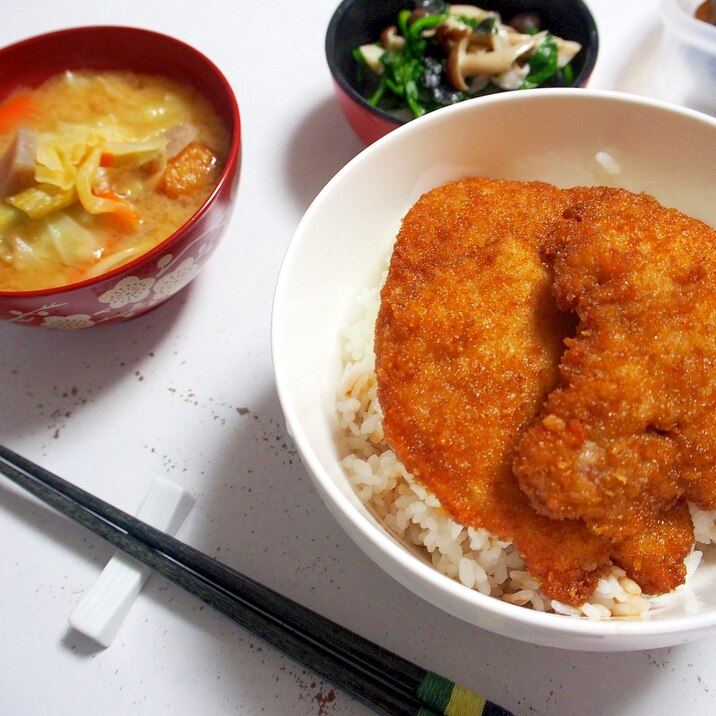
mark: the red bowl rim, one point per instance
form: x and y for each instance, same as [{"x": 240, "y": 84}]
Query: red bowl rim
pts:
[{"x": 226, "y": 174}]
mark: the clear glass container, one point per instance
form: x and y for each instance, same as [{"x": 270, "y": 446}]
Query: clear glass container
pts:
[{"x": 687, "y": 66}]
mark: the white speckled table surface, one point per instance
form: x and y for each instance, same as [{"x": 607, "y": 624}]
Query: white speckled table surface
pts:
[{"x": 187, "y": 392}]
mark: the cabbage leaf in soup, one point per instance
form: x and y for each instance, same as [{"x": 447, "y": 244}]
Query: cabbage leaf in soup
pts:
[{"x": 98, "y": 168}]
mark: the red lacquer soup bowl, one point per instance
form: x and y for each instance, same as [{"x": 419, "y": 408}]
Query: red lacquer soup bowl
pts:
[{"x": 150, "y": 279}]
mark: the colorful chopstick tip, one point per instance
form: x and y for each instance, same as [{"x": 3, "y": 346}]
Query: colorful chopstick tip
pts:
[{"x": 445, "y": 697}]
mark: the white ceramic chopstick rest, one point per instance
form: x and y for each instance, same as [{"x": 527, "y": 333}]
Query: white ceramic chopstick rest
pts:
[{"x": 104, "y": 607}]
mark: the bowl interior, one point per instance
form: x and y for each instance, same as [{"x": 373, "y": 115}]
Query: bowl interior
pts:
[
  {"x": 560, "y": 136},
  {"x": 357, "y": 22}
]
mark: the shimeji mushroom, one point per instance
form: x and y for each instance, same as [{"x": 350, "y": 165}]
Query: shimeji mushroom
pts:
[
  {"x": 462, "y": 64},
  {"x": 469, "y": 58},
  {"x": 451, "y": 31},
  {"x": 514, "y": 77},
  {"x": 390, "y": 38}
]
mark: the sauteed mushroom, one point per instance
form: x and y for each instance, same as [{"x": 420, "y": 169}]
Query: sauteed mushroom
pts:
[
  {"x": 390, "y": 39},
  {"x": 462, "y": 64},
  {"x": 438, "y": 54}
]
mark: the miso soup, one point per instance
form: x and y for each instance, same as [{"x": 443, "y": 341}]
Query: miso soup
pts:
[{"x": 97, "y": 168}]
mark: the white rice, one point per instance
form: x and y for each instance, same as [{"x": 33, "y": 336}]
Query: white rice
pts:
[{"x": 471, "y": 556}]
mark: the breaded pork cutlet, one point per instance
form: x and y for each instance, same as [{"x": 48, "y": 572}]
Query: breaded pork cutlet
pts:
[
  {"x": 584, "y": 458},
  {"x": 630, "y": 433},
  {"x": 468, "y": 341}
]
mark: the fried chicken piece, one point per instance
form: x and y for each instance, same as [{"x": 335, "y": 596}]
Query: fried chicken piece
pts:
[
  {"x": 631, "y": 431},
  {"x": 468, "y": 340}
]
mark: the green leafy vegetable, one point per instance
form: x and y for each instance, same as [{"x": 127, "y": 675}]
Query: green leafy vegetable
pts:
[
  {"x": 404, "y": 68},
  {"x": 543, "y": 64},
  {"x": 421, "y": 75}
]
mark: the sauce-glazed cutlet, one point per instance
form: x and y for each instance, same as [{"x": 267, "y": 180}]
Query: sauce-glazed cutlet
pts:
[{"x": 468, "y": 341}]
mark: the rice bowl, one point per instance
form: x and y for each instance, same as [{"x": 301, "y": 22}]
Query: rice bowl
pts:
[{"x": 338, "y": 253}]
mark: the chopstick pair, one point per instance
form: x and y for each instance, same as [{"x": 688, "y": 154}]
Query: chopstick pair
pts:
[{"x": 375, "y": 676}]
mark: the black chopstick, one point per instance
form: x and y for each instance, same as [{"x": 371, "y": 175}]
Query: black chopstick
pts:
[{"x": 384, "y": 681}]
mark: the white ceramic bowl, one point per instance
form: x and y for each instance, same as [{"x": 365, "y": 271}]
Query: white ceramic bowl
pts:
[{"x": 567, "y": 137}]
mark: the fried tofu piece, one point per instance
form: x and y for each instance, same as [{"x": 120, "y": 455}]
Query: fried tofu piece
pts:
[{"x": 189, "y": 170}]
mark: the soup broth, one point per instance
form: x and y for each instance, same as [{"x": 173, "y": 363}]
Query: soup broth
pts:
[{"x": 97, "y": 168}]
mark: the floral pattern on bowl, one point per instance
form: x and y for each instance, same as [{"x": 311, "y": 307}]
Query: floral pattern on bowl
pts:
[{"x": 126, "y": 295}]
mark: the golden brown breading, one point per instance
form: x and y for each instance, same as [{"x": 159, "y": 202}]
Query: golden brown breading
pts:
[
  {"x": 468, "y": 340},
  {"x": 654, "y": 558},
  {"x": 618, "y": 432},
  {"x": 631, "y": 431}
]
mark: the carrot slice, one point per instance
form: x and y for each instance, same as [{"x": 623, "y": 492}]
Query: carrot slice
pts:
[
  {"x": 123, "y": 209},
  {"x": 15, "y": 111}
]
